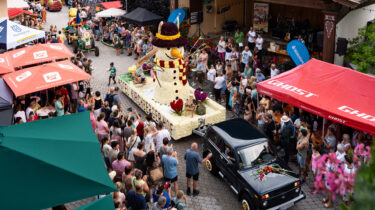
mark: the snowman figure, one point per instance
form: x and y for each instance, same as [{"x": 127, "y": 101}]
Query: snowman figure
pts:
[{"x": 173, "y": 80}]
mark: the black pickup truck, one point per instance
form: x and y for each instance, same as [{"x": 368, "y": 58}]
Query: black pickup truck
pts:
[{"x": 241, "y": 156}]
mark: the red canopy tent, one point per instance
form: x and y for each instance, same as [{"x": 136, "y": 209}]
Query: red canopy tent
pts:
[
  {"x": 14, "y": 12},
  {"x": 327, "y": 90},
  {"x": 6, "y": 65},
  {"x": 38, "y": 53},
  {"x": 111, "y": 4},
  {"x": 43, "y": 77}
]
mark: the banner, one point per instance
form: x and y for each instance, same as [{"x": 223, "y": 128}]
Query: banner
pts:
[
  {"x": 260, "y": 18},
  {"x": 298, "y": 52}
]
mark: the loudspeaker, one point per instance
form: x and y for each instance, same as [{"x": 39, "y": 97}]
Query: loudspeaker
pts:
[
  {"x": 196, "y": 17},
  {"x": 187, "y": 12},
  {"x": 342, "y": 45}
]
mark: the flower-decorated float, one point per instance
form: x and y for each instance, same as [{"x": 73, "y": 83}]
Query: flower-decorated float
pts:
[{"x": 161, "y": 87}]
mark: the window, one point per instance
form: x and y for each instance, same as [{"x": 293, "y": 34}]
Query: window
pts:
[
  {"x": 217, "y": 140},
  {"x": 255, "y": 154}
]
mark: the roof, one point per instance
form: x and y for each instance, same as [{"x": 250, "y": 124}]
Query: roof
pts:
[
  {"x": 14, "y": 12},
  {"x": 333, "y": 92},
  {"x": 111, "y": 4},
  {"x": 141, "y": 16},
  {"x": 239, "y": 133},
  {"x": 350, "y": 3}
]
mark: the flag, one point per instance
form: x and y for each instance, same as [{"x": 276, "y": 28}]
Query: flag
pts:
[{"x": 78, "y": 20}]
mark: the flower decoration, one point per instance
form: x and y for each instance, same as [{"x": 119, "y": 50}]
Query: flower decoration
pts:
[
  {"x": 200, "y": 95},
  {"x": 331, "y": 173},
  {"x": 274, "y": 168},
  {"x": 146, "y": 67},
  {"x": 177, "y": 106}
]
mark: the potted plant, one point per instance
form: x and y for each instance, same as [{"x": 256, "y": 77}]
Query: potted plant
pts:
[{"x": 200, "y": 96}]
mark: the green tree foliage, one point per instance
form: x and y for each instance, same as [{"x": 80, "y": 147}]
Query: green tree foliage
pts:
[
  {"x": 362, "y": 49},
  {"x": 364, "y": 187}
]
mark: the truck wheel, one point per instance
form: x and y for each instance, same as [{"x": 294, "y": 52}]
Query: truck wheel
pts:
[
  {"x": 211, "y": 167},
  {"x": 246, "y": 203},
  {"x": 96, "y": 51}
]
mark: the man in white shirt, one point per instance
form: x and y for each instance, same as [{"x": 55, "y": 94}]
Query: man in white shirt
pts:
[
  {"x": 162, "y": 133},
  {"x": 251, "y": 38},
  {"x": 30, "y": 108},
  {"x": 259, "y": 46},
  {"x": 218, "y": 85},
  {"x": 245, "y": 57},
  {"x": 211, "y": 73},
  {"x": 274, "y": 71}
]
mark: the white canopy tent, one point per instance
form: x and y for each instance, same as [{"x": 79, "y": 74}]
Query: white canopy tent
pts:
[
  {"x": 13, "y": 34},
  {"x": 112, "y": 12},
  {"x": 17, "y": 4}
]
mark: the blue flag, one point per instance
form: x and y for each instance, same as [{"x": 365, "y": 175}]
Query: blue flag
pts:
[
  {"x": 298, "y": 52},
  {"x": 78, "y": 20}
]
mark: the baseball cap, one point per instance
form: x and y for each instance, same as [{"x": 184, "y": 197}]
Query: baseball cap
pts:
[{"x": 116, "y": 88}]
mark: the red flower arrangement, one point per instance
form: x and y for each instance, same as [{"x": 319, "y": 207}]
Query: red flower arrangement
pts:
[
  {"x": 207, "y": 44},
  {"x": 184, "y": 28},
  {"x": 274, "y": 168},
  {"x": 177, "y": 106},
  {"x": 317, "y": 55}
]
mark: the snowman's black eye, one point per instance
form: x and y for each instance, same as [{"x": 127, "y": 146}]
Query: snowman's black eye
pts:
[{"x": 168, "y": 48}]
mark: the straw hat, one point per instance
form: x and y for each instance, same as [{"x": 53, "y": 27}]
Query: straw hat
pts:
[
  {"x": 86, "y": 35},
  {"x": 285, "y": 119},
  {"x": 112, "y": 175}
]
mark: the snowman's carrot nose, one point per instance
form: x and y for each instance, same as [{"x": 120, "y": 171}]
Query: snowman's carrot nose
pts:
[{"x": 175, "y": 53}]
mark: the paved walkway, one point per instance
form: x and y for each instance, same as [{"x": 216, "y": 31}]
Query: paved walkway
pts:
[{"x": 214, "y": 193}]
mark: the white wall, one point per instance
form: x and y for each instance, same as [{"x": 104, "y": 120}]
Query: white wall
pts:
[{"x": 349, "y": 25}]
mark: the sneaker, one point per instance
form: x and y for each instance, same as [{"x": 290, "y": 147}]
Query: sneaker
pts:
[
  {"x": 195, "y": 192},
  {"x": 188, "y": 191}
]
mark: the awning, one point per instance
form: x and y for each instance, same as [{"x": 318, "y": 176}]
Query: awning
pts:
[
  {"x": 38, "y": 53},
  {"x": 14, "y": 12},
  {"x": 51, "y": 162},
  {"x": 13, "y": 34},
  {"x": 43, "y": 77},
  {"x": 17, "y": 4},
  {"x": 6, "y": 65},
  {"x": 142, "y": 17},
  {"x": 111, "y": 4},
  {"x": 333, "y": 92},
  {"x": 6, "y": 104},
  {"x": 100, "y": 204},
  {"x": 112, "y": 12}
]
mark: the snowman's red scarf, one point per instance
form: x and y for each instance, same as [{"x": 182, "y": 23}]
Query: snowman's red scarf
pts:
[{"x": 174, "y": 64}]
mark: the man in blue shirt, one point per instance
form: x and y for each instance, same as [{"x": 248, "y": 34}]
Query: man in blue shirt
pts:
[
  {"x": 259, "y": 75},
  {"x": 170, "y": 163},
  {"x": 135, "y": 199},
  {"x": 192, "y": 168}
]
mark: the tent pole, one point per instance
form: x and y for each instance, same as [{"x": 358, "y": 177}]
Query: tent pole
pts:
[{"x": 324, "y": 122}]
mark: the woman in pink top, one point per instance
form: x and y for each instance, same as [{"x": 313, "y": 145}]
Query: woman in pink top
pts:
[
  {"x": 102, "y": 127},
  {"x": 92, "y": 117},
  {"x": 314, "y": 159}
]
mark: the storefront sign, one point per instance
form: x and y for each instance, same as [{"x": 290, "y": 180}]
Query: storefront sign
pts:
[{"x": 260, "y": 19}]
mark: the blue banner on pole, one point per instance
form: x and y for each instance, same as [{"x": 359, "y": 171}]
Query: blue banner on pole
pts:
[
  {"x": 298, "y": 52},
  {"x": 177, "y": 14}
]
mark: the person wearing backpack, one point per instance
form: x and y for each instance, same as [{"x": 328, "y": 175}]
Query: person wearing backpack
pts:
[{"x": 179, "y": 202}]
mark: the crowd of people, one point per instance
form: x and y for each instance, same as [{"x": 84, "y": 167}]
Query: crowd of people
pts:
[
  {"x": 137, "y": 151},
  {"x": 233, "y": 80}
]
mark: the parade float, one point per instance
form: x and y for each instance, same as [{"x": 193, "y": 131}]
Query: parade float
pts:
[{"x": 164, "y": 91}]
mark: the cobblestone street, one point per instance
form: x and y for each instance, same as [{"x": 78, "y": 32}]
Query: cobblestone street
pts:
[{"x": 214, "y": 193}]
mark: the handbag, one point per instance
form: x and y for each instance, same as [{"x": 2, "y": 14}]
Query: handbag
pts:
[{"x": 156, "y": 174}]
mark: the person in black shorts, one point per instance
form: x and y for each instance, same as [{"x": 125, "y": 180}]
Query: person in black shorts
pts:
[{"x": 192, "y": 169}]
